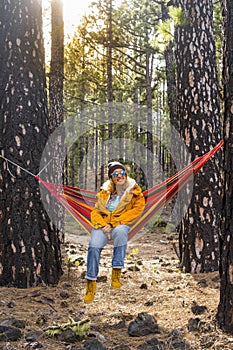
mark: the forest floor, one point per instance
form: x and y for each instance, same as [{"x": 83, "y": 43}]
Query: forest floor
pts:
[{"x": 183, "y": 305}]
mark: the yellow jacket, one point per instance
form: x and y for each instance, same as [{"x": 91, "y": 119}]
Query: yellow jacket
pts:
[{"x": 128, "y": 210}]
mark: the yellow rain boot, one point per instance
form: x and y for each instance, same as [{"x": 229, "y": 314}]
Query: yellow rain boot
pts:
[
  {"x": 116, "y": 275},
  {"x": 90, "y": 291}
]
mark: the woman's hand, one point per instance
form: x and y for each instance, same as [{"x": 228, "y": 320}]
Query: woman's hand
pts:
[{"x": 107, "y": 230}]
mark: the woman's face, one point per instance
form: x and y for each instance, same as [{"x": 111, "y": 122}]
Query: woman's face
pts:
[{"x": 118, "y": 177}]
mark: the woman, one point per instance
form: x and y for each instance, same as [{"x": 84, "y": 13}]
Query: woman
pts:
[{"x": 119, "y": 204}]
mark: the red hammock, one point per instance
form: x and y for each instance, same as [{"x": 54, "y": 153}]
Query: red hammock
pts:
[{"x": 80, "y": 203}]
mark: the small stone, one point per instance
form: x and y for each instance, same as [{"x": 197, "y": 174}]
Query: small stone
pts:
[
  {"x": 66, "y": 285},
  {"x": 11, "y": 304},
  {"x": 198, "y": 309},
  {"x": 143, "y": 286},
  {"x": 33, "y": 336},
  {"x": 143, "y": 324},
  {"x": 68, "y": 336},
  {"x": 176, "y": 341},
  {"x": 64, "y": 294},
  {"x": 64, "y": 304},
  {"x": 9, "y": 334},
  {"x": 36, "y": 345},
  {"x": 151, "y": 344},
  {"x": 118, "y": 325},
  {"x": 93, "y": 344},
  {"x": 134, "y": 268},
  {"x": 216, "y": 279},
  {"x": 13, "y": 322},
  {"x": 193, "y": 324},
  {"x": 102, "y": 279},
  {"x": 203, "y": 283}
]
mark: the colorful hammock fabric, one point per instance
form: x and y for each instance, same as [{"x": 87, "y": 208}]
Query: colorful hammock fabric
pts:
[{"x": 80, "y": 203}]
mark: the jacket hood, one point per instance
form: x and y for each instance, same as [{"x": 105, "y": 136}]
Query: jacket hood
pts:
[{"x": 128, "y": 185}]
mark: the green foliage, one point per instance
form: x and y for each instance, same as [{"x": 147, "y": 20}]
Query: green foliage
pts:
[
  {"x": 133, "y": 28},
  {"x": 80, "y": 328},
  {"x": 178, "y": 16},
  {"x": 133, "y": 253},
  {"x": 69, "y": 263},
  {"x": 157, "y": 221},
  {"x": 137, "y": 174},
  {"x": 219, "y": 39},
  {"x": 165, "y": 29},
  {"x": 170, "y": 228}
]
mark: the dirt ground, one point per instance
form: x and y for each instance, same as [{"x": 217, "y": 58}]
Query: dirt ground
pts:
[{"x": 151, "y": 282}]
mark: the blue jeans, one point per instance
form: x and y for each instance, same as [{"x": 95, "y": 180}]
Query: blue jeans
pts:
[{"x": 98, "y": 241}]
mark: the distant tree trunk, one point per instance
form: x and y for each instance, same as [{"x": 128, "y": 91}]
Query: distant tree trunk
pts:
[
  {"x": 150, "y": 146},
  {"x": 169, "y": 55},
  {"x": 170, "y": 75},
  {"x": 149, "y": 72},
  {"x": 56, "y": 75},
  {"x": 96, "y": 157},
  {"x": 81, "y": 151},
  {"x": 200, "y": 128},
  {"x": 56, "y": 117},
  {"x": 29, "y": 246},
  {"x": 225, "y": 310},
  {"x": 109, "y": 77},
  {"x": 135, "y": 136}
]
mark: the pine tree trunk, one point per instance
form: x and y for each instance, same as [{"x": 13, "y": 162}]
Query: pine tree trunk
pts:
[
  {"x": 150, "y": 146},
  {"x": 170, "y": 75},
  {"x": 56, "y": 117},
  {"x": 200, "y": 128},
  {"x": 56, "y": 66},
  {"x": 109, "y": 77},
  {"x": 29, "y": 247},
  {"x": 225, "y": 311}
]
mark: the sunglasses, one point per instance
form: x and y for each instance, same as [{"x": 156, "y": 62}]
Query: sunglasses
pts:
[{"x": 122, "y": 173}]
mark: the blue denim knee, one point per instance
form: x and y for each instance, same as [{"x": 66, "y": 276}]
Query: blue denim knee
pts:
[
  {"x": 119, "y": 235},
  {"x": 98, "y": 241}
]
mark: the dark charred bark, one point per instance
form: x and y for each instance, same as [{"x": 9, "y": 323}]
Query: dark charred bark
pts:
[
  {"x": 225, "y": 311},
  {"x": 29, "y": 248},
  {"x": 200, "y": 128}
]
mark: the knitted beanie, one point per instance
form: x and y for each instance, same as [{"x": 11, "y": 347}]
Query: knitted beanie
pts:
[{"x": 113, "y": 166}]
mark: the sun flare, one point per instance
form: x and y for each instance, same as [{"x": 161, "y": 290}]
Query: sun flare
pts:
[{"x": 73, "y": 11}]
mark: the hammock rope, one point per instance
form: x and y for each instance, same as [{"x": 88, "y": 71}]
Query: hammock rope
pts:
[
  {"x": 25, "y": 170},
  {"x": 80, "y": 203},
  {"x": 17, "y": 165}
]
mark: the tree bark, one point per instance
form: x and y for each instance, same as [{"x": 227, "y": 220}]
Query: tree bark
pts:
[
  {"x": 56, "y": 111},
  {"x": 200, "y": 128},
  {"x": 29, "y": 247},
  {"x": 56, "y": 75},
  {"x": 225, "y": 311},
  {"x": 109, "y": 79}
]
